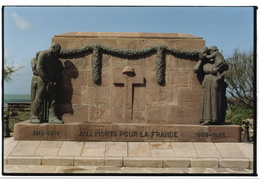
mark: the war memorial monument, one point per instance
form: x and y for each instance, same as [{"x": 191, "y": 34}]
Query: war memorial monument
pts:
[{"x": 128, "y": 87}]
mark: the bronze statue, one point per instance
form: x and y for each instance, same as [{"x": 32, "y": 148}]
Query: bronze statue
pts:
[
  {"x": 46, "y": 73},
  {"x": 214, "y": 102}
]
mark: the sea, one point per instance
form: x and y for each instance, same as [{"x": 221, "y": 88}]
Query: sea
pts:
[{"x": 16, "y": 98}]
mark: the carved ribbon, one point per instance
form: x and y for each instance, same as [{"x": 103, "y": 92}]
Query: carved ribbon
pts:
[{"x": 98, "y": 50}]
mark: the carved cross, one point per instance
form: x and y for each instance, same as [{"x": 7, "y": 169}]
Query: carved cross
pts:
[{"x": 128, "y": 83}]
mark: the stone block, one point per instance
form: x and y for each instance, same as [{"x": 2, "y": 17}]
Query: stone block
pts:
[
  {"x": 114, "y": 161},
  {"x": 58, "y": 161},
  {"x": 48, "y": 148},
  {"x": 128, "y": 44},
  {"x": 189, "y": 98},
  {"x": 162, "y": 153},
  {"x": 176, "y": 162},
  {"x": 110, "y": 42},
  {"x": 5, "y": 160},
  {"x": 116, "y": 149},
  {"x": 68, "y": 95},
  {"x": 206, "y": 149},
  {"x": 145, "y": 43},
  {"x": 9, "y": 147},
  {"x": 70, "y": 148},
  {"x": 160, "y": 145},
  {"x": 78, "y": 78},
  {"x": 68, "y": 42},
  {"x": 89, "y": 161},
  {"x": 180, "y": 79},
  {"x": 24, "y": 160},
  {"x": 251, "y": 161},
  {"x": 79, "y": 113},
  {"x": 94, "y": 145},
  {"x": 247, "y": 149},
  {"x": 225, "y": 150},
  {"x": 25, "y": 148},
  {"x": 96, "y": 95},
  {"x": 234, "y": 163},
  {"x": 180, "y": 115},
  {"x": 99, "y": 113},
  {"x": 184, "y": 149},
  {"x": 150, "y": 69},
  {"x": 204, "y": 162},
  {"x": 23, "y": 130},
  {"x": 142, "y": 162},
  {"x": 136, "y": 149},
  {"x": 225, "y": 132},
  {"x": 93, "y": 152},
  {"x": 155, "y": 114}
]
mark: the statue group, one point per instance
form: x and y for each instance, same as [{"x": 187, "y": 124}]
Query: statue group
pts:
[
  {"x": 214, "y": 103},
  {"x": 47, "y": 69}
]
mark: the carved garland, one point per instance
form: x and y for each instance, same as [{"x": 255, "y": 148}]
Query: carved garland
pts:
[{"x": 98, "y": 50}]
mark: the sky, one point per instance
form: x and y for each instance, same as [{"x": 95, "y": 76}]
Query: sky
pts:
[{"x": 27, "y": 30}]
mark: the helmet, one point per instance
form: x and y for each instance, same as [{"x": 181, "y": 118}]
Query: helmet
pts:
[{"x": 128, "y": 69}]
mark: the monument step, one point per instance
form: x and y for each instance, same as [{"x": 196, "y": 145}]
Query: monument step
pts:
[
  {"x": 131, "y": 162},
  {"x": 129, "y": 154}
]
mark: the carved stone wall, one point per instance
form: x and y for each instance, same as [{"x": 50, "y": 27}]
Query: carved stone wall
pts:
[{"x": 115, "y": 100}]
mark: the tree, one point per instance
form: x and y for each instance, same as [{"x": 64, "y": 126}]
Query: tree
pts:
[
  {"x": 9, "y": 70},
  {"x": 240, "y": 78}
]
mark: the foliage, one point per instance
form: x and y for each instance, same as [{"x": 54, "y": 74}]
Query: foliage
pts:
[
  {"x": 17, "y": 117},
  {"x": 237, "y": 114},
  {"x": 9, "y": 70},
  {"x": 240, "y": 78}
]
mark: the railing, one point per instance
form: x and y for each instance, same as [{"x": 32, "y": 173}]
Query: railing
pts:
[{"x": 19, "y": 106}]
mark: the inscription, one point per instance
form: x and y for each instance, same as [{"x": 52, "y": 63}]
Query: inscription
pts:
[
  {"x": 128, "y": 134},
  {"x": 131, "y": 134},
  {"x": 49, "y": 133},
  {"x": 214, "y": 135}
]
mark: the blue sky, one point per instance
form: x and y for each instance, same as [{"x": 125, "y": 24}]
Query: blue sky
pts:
[{"x": 30, "y": 29}]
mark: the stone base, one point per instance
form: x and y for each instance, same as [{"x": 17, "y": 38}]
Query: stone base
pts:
[{"x": 127, "y": 132}]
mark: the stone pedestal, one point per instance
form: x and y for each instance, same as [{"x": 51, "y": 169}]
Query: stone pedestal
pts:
[{"x": 127, "y": 132}]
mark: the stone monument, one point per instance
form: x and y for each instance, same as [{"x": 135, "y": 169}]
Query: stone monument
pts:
[{"x": 134, "y": 87}]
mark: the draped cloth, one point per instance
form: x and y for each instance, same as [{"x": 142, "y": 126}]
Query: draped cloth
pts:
[{"x": 214, "y": 102}]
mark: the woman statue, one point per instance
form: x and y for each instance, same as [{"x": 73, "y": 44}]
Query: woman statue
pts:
[{"x": 214, "y": 101}]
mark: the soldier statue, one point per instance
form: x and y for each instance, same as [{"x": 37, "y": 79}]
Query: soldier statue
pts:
[{"x": 47, "y": 70}]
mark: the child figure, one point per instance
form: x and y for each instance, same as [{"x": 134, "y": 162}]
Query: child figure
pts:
[{"x": 220, "y": 66}]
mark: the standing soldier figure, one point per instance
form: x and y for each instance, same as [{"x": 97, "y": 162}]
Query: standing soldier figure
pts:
[{"x": 47, "y": 71}]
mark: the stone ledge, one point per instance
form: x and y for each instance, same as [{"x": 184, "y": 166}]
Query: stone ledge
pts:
[
  {"x": 58, "y": 161},
  {"x": 234, "y": 163},
  {"x": 24, "y": 160},
  {"x": 148, "y": 162},
  {"x": 176, "y": 162},
  {"x": 128, "y": 35},
  {"x": 142, "y": 162},
  {"x": 114, "y": 161},
  {"x": 204, "y": 162},
  {"x": 89, "y": 161},
  {"x": 251, "y": 161}
]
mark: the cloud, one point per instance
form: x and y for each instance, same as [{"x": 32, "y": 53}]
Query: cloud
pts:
[{"x": 20, "y": 22}]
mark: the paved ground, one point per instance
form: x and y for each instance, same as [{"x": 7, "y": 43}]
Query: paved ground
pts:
[
  {"x": 111, "y": 170},
  {"x": 127, "y": 157}
]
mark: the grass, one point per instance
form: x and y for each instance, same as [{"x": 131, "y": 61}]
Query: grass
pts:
[
  {"x": 16, "y": 117},
  {"x": 236, "y": 115}
]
